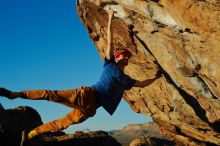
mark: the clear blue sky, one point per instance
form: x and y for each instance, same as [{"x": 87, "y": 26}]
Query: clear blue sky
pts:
[{"x": 43, "y": 45}]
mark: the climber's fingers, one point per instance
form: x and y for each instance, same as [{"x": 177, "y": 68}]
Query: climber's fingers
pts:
[{"x": 110, "y": 12}]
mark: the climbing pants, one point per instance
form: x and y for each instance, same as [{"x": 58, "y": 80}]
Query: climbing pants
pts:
[{"x": 82, "y": 99}]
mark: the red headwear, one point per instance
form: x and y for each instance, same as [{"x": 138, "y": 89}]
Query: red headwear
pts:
[{"x": 125, "y": 52}]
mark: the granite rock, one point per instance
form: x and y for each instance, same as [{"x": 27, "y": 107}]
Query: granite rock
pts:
[{"x": 181, "y": 39}]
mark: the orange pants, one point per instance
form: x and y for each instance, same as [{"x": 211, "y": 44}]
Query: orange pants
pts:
[{"x": 83, "y": 101}]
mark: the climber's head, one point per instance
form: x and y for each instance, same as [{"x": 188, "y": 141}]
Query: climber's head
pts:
[{"x": 122, "y": 56}]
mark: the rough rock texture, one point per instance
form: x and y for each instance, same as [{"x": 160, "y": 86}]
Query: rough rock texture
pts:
[
  {"x": 151, "y": 141},
  {"x": 181, "y": 38},
  {"x": 97, "y": 138},
  {"x": 133, "y": 131},
  {"x": 13, "y": 121}
]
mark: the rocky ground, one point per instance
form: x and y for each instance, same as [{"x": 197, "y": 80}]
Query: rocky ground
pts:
[{"x": 13, "y": 121}]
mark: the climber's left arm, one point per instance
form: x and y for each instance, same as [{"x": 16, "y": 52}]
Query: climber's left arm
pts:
[{"x": 146, "y": 82}]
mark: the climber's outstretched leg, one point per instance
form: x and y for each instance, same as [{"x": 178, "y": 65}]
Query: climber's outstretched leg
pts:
[{"x": 11, "y": 95}]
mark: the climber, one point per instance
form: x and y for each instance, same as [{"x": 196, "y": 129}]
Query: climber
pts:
[{"x": 107, "y": 92}]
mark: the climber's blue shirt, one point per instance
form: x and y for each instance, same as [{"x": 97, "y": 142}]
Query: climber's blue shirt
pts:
[{"x": 111, "y": 85}]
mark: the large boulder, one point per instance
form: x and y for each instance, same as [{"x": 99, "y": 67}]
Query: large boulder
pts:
[
  {"x": 181, "y": 39},
  {"x": 13, "y": 121}
]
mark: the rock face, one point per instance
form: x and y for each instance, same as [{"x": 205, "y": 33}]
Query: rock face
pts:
[
  {"x": 181, "y": 38},
  {"x": 13, "y": 121}
]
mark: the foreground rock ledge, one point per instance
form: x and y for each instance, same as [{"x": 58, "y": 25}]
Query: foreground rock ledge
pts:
[
  {"x": 181, "y": 38},
  {"x": 14, "y": 121},
  {"x": 97, "y": 138}
]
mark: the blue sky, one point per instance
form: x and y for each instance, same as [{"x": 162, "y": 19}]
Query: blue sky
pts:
[{"x": 43, "y": 45}]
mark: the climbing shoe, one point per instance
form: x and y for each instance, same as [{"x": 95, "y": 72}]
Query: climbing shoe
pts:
[{"x": 6, "y": 93}]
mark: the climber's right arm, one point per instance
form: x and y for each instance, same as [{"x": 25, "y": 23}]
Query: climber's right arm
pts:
[{"x": 109, "y": 52}]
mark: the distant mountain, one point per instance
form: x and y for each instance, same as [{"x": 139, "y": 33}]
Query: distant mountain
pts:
[{"x": 133, "y": 131}]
